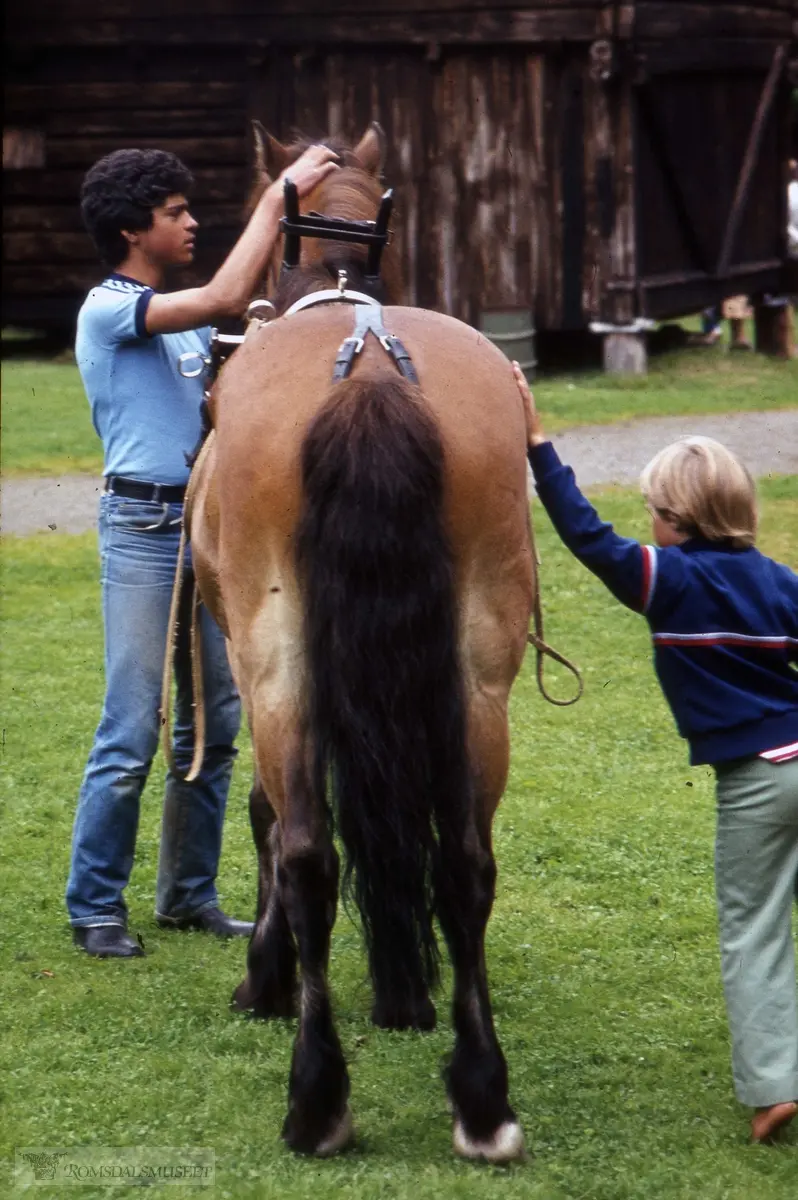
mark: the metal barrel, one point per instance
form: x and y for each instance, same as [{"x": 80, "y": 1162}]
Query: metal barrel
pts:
[{"x": 513, "y": 332}]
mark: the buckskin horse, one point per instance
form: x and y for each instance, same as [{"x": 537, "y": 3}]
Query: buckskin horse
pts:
[{"x": 365, "y": 546}]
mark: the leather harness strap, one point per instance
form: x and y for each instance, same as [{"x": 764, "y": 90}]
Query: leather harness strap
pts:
[{"x": 368, "y": 319}]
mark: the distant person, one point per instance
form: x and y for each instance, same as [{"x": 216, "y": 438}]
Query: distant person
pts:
[
  {"x": 724, "y": 621},
  {"x": 735, "y": 310},
  {"x": 130, "y": 334},
  {"x": 792, "y": 210},
  {"x": 711, "y": 331}
]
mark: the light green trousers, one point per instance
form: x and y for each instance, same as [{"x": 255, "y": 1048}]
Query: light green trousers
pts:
[{"x": 756, "y": 875}]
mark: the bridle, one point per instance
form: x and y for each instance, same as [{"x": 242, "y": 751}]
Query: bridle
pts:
[{"x": 374, "y": 234}]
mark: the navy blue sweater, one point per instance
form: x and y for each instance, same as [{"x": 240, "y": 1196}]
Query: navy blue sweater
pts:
[{"x": 724, "y": 622}]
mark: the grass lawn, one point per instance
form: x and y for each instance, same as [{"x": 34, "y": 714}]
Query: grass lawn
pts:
[
  {"x": 47, "y": 430},
  {"x": 602, "y": 947},
  {"x": 697, "y": 380},
  {"x": 46, "y": 424}
]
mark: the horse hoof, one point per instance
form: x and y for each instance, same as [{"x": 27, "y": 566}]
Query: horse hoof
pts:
[
  {"x": 241, "y": 999},
  {"x": 340, "y": 1137},
  {"x": 261, "y": 1007},
  {"x": 506, "y": 1145}
]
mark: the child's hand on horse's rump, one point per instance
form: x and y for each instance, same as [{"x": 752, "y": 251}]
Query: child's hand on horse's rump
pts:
[{"x": 534, "y": 428}]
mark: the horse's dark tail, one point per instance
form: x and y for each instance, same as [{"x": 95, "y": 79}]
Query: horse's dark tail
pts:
[{"x": 386, "y": 695}]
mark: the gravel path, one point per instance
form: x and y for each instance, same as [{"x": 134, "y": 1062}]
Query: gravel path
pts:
[{"x": 766, "y": 441}]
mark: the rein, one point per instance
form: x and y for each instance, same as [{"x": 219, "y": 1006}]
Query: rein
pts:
[
  {"x": 198, "y": 704},
  {"x": 542, "y": 648}
]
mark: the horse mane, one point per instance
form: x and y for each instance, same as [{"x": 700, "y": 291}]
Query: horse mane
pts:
[
  {"x": 303, "y": 280},
  {"x": 351, "y": 194}
]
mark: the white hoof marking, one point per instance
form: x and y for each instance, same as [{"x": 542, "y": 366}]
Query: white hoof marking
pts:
[
  {"x": 340, "y": 1136},
  {"x": 506, "y": 1144}
]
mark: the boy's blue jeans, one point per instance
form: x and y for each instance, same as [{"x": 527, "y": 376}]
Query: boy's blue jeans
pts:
[{"x": 138, "y": 553}]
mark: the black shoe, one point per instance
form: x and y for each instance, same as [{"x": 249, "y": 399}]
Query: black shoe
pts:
[
  {"x": 210, "y": 920},
  {"x": 107, "y": 941}
]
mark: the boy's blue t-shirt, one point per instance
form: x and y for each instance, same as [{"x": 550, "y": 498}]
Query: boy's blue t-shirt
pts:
[{"x": 146, "y": 413}]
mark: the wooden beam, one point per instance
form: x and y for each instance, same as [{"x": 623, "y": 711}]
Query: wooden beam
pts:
[
  {"x": 486, "y": 26},
  {"x": 65, "y": 218},
  {"x": 48, "y": 247},
  {"x": 774, "y": 330},
  {"x": 44, "y": 98},
  {"x": 132, "y": 123},
  {"x": 42, "y": 279},
  {"x": 723, "y": 54},
  {"x": 73, "y": 152},
  {"x": 749, "y": 161},
  {"x": 73, "y": 248},
  {"x": 675, "y": 18},
  {"x": 85, "y": 11},
  {"x": 227, "y": 184}
]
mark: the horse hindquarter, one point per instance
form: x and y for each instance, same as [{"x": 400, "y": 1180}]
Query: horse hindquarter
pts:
[{"x": 376, "y": 592}]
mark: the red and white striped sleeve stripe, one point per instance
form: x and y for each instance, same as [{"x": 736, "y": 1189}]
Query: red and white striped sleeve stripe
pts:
[
  {"x": 649, "y": 575},
  {"x": 752, "y": 641},
  {"x": 781, "y": 753}
]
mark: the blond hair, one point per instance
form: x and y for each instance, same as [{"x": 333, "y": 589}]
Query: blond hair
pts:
[{"x": 702, "y": 489}]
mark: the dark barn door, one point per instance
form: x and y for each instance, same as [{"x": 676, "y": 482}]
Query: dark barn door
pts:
[
  {"x": 709, "y": 149},
  {"x": 465, "y": 156}
]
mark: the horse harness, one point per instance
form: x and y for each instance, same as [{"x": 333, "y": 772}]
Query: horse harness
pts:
[
  {"x": 368, "y": 320},
  {"x": 375, "y": 235}
]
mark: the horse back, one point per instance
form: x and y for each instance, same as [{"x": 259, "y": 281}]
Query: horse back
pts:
[{"x": 271, "y": 389}]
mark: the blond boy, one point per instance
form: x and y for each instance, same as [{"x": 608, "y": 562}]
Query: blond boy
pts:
[{"x": 724, "y": 623}]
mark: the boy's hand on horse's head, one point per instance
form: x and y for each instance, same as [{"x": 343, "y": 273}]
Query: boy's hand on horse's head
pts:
[
  {"x": 534, "y": 429},
  {"x": 310, "y": 169}
]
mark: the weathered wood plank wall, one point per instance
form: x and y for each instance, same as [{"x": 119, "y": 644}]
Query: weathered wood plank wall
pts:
[
  {"x": 521, "y": 178},
  {"x": 87, "y": 104}
]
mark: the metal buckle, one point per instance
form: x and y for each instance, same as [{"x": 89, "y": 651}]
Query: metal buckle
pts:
[
  {"x": 261, "y": 311},
  {"x": 192, "y": 356}
]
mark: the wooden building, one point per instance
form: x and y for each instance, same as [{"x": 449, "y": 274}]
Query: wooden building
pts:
[{"x": 581, "y": 160}]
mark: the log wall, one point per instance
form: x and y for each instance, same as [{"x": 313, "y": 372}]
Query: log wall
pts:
[{"x": 517, "y": 168}]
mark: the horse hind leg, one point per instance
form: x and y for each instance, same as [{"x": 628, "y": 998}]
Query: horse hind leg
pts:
[
  {"x": 318, "y": 1120},
  {"x": 269, "y": 987},
  {"x": 485, "y": 1126}
]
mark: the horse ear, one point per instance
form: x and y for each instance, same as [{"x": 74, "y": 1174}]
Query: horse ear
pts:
[
  {"x": 271, "y": 156},
  {"x": 370, "y": 150}
]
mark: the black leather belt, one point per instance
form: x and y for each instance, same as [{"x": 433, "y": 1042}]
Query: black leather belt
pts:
[{"x": 137, "y": 489}]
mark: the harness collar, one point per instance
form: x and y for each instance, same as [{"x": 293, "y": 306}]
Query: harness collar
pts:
[{"x": 330, "y": 296}]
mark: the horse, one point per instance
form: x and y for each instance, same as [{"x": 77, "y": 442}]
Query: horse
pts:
[{"x": 365, "y": 546}]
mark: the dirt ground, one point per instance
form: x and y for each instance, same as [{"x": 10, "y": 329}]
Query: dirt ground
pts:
[{"x": 766, "y": 441}]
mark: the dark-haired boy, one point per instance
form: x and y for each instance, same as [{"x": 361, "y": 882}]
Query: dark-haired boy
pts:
[{"x": 130, "y": 335}]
